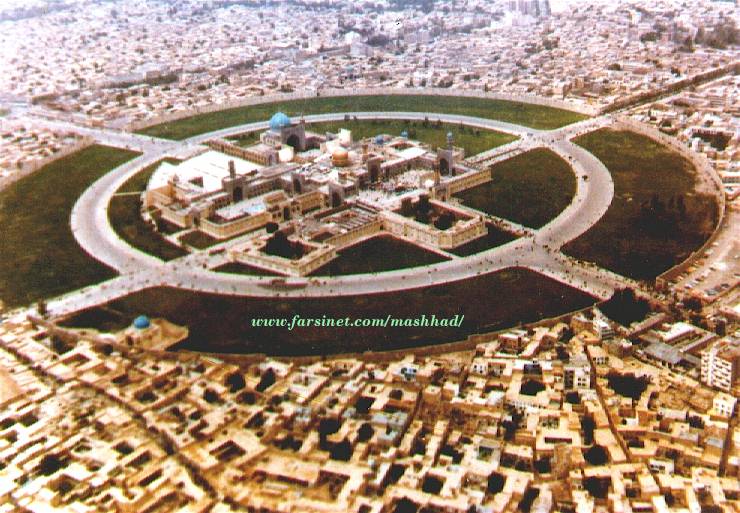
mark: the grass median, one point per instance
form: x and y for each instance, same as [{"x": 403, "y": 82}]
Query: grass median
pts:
[
  {"x": 124, "y": 214},
  {"x": 39, "y": 255},
  {"x": 526, "y": 114},
  {"x": 220, "y": 323},
  {"x": 530, "y": 189},
  {"x": 378, "y": 254},
  {"x": 657, "y": 217}
]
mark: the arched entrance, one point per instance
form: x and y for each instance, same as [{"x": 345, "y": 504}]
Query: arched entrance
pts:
[
  {"x": 297, "y": 186},
  {"x": 286, "y": 214},
  {"x": 444, "y": 166},
  {"x": 336, "y": 199},
  {"x": 374, "y": 172},
  {"x": 237, "y": 195},
  {"x": 294, "y": 141}
]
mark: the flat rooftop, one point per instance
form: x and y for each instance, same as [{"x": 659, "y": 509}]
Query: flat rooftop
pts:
[
  {"x": 249, "y": 206},
  {"x": 211, "y": 166}
]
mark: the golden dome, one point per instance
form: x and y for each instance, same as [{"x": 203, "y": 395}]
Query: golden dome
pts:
[{"x": 340, "y": 157}]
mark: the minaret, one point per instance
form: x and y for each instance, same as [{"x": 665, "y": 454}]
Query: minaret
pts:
[{"x": 450, "y": 140}]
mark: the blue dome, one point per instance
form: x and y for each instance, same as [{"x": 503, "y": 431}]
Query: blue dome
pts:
[
  {"x": 449, "y": 135},
  {"x": 405, "y": 134},
  {"x": 278, "y": 121},
  {"x": 379, "y": 139},
  {"x": 142, "y": 322}
]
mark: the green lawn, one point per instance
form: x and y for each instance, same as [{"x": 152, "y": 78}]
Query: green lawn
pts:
[
  {"x": 198, "y": 239},
  {"x": 656, "y": 219},
  {"x": 124, "y": 213},
  {"x": 474, "y": 141},
  {"x": 246, "y": 139},
  {"x": 39, "y": 256},
  {"x": 139, "y": 181},
  {"x": 378, "y": 254},
  {"x": 239, "y": 268},
  {"x": 221, "y": 323},
  {"x": 530, "y": 189},
  {"x": 535, "y": 116},
  {"x": 493, "y": 239}
]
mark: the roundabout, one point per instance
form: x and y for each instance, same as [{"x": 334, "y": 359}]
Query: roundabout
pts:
[
  {"x": 537, "y": 250},
  {"x": 517, "y": 273}
]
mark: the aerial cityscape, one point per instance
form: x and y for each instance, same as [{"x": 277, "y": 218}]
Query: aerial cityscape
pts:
[{"x": 383, "y": 256}]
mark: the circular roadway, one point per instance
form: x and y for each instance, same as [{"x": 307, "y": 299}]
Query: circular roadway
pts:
[{"x": 540, "y": 251}]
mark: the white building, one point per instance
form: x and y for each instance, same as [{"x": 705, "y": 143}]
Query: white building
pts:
[
  {"x": 724, "y": 404},
  {"x": 719, "y": 364},
  {"x": 577, "y": 374}
]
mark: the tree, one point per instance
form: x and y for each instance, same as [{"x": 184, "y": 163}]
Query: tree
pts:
[
  {"x": 342, "y": 451},
  {"x": 328, "y": 426},
  {"x": 365, "y": 432},
  {"x": 404, "y": 505},
  {"x": 597, "y": 487},
  {"x": 495, "y": 483},
  {"x": 596, "y": 455},
  {"x": 624, "y": 307},
  {"x": 562, "y": 353},
  {"x": 588, "y": 425},
  {"x": 444, "y": 221},
  {"x": 267, "y": 380},
  {"x": 511, "y": 425},
  {"x": 210, "y": 396},
  {"x": 695, "y": 421},
  {"x": 423, "y": 209},
  {"x": 573, "y": 397},
  {"x": 235, "y": 382},
  {"x": 530, "y": 495},
  {"x": 51, "y": 463},
  {"x": 627, "y": 385},
  {"x": 279, "y": 245}
]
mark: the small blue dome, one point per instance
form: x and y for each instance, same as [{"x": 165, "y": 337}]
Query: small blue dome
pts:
[
  {"x": 142, "y": 322},
  {"x": 449, "y": 135},
  {"x": 379, "y": 139},
  {"x": 278, "y": 121},
  {"x": 405, "y": 134}
]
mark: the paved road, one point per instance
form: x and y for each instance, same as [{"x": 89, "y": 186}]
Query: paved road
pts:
[
  {"x": 90, "y": 225},
  {"x": 117, "y": 139},
  {"x": 538, "y": 251}
]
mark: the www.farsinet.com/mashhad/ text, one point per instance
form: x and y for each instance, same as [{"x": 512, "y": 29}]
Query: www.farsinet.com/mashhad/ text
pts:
[{"x": 298, "y": 321}]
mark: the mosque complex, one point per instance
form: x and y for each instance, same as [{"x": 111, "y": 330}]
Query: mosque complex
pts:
[{"x": 305, "y": 196}]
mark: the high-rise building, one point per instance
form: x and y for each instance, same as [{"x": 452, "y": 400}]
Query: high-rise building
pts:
[
  {"x": 720, "y": 364},
  {"x": 531, "y": 7}
]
